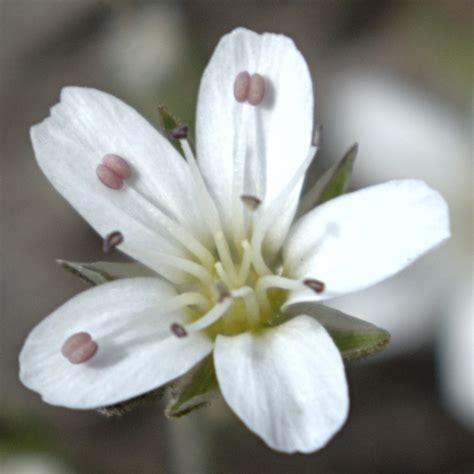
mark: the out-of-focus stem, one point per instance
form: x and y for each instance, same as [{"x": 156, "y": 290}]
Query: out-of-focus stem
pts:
[{"x": 190, "y": 444}]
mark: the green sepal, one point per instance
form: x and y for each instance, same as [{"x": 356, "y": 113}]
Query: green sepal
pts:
[
  {"x": 354, "y": 337},
  {"x": 97, "y": 273},
  {"x": 339, "y": 177},
  {"x": 127, "y": 406},
  {"x": 333, "y": 183},
  {"x": 194, "y": 390},
  {"x": 167, "y": 122}
]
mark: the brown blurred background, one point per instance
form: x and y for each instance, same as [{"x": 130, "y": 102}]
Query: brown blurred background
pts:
[{"x": 395, "y": 76}]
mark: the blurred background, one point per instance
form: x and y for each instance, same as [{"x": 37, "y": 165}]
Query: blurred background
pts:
[{"x": 395, "y": 76}]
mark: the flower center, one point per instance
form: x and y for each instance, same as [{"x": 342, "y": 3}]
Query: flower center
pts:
[
  {"x": 232, "y": 288},
  {"x": 238, "y": 294}
]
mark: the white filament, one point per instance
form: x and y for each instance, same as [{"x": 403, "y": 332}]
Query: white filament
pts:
[
  {"x": 176, "y": 231},
  {"x": 205, "y": 201},
  {"x": 183, "y": 300},
  {"x": 250, "y": 301},
  {"x": 187, "y": 266},
  {"x": 264, "y": 218},
  {"x": 274, "y": 281},
  {"x": 246, "y": 262},
  {"x": 210, "y": 317}
]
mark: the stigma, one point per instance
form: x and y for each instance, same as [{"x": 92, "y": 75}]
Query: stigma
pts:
[
  {"x": 113, "y": 171},
  {"x": 79, "y": 348}
]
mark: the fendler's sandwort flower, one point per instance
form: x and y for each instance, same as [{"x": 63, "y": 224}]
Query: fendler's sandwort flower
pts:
[{"x": 239, "y": 269}]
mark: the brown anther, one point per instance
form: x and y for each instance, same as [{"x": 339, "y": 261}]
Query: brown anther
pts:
[
  {"x": 111, "y": 241},
  {"x": 316, "y": 285},
  {"x": 179, "y": 133},
  {"x": 178, "y": 330},
  {"x": 222, "y": 291},
  {"x": 251, "y": 202},
  {"x": 256, "y": 90},
  {"x": 79, "y": 348},
  {"x": 241, "y": 86}
]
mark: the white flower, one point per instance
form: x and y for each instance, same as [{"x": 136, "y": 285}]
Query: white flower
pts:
[{"x": 220, "y": 233}]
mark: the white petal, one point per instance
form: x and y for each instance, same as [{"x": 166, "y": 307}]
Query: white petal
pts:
[
  {"x": 244, "y": 149},
  {"x": 361, "y": 238},
  {"x": 137, "y": 352},
  {"x": 69, "y": 145},
  {"x": 287, "y": 384}
]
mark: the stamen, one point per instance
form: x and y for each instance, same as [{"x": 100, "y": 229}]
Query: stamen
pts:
[
  {"x": 246, "y": 262},
  {"x": 117, "y": 165},
  {"x": 187, "y": 266},
  {"x": 113, "y": 171},
  {"x": 222, "y": 274},
  {"x": 256, "y": 90},
  {"x": 179, "y": 133},
  {"x": 250, "y": 301},
  {"x": 183, "y": 300},
  {"x": 241, "y": 86},
  {"x": 204, "y": 199},
  {"x": 316, "y": 285},
  {"x": 225, "y": 255},
  {"x": 111, "y": 241},
  {"x": 251, "y": 202},
  {"x": 257, "y": 258},
  {"x": 108, "y": 177},
  {"x": 211, "y": 317},
  {"x": 178, "y": 330},
  {"x": 274, "y": 281},
  {"x": 261, "y": 221},
  {"x": 79, "y": 348},
  {"x": 173, "y": 230}
]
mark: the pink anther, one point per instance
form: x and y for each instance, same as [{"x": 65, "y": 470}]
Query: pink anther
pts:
[
  {"x": 79, "y": 348},
  {"x": 249, "y": 88},
  {"x": 118, "y": 165},
  {"x": 256, "y": 89},
  {"x": 113, "y": 171},
  {"x": 241, "y": 86}
]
